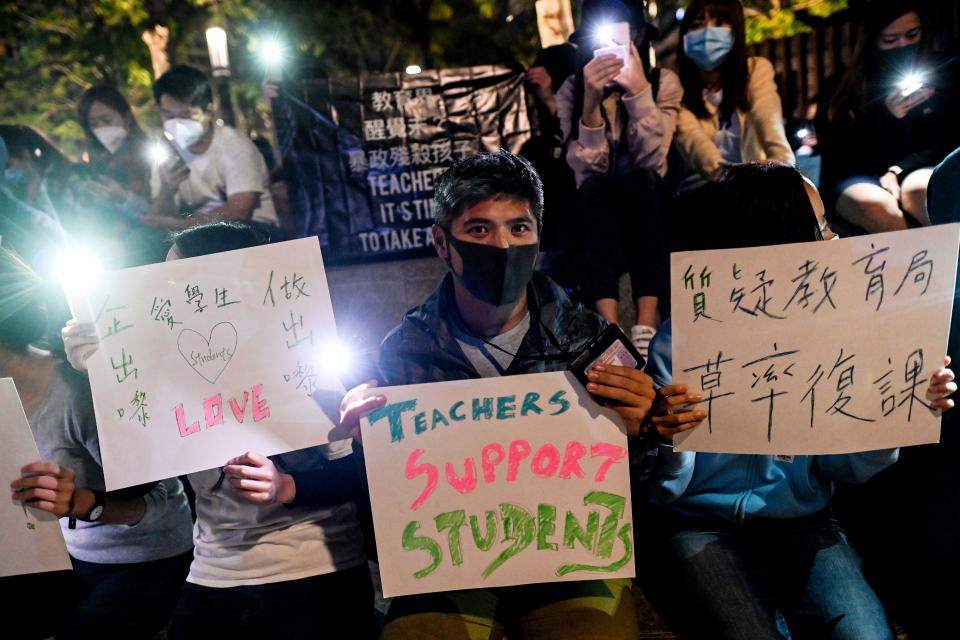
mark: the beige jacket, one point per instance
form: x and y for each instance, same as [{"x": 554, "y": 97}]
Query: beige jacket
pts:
[{"x": 762, "y": 136}]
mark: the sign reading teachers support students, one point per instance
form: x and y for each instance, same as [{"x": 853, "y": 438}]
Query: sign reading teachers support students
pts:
[
  {"x": 497, "y": 481},
  {"x": 32, "y": 539},
  {"x": 202, "y": 359},
  {"x": 814, "y": 348}
]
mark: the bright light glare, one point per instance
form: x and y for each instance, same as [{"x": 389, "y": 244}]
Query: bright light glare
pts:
[
  {"x": 413, "y": 69},
  {"x": 604, "y": 34},
  {"x": 910, "y": 83},
  {"x": 802, "y": 133},
  {"x": 335, "y": 358},
  {"x": 680, "y": 13},
  {"x": 76, "y": 269},
  {"x": 272, "y": 52},
  {"x": 158, "y": 152}
]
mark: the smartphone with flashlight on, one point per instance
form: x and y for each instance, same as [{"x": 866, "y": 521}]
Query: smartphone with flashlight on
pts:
[
  {"x": 613, "y": 38},
  {"x": 910, "y": 84}
]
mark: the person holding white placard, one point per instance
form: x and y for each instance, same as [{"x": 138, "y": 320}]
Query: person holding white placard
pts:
[
  {"x": 278, "y": 550},
  {"x": 130, "y": 549},
  {"x": 747, "y": 541},
  {"x": 492, "y": 316}
]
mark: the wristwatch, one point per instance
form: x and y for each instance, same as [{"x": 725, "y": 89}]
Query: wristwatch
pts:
[{"x": 95, "y": 512}]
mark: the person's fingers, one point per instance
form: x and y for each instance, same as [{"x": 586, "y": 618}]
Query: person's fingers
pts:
[
  {"x": 673, "y": 389},
  {"x": 44, "y": 505},
  {"x": 43, "y": 466},
  {"x": 361, "y": 408},
  {"x": 258, "y": 497},
  {"x": 246, "y": 471},
  {"x": 357, "y": 392},
  {"x": 246, "y": 484},
  {"x": 632, "y": 379},
  {"x": 668, "y": 432},
  {"x": 43, "y": 481},
  {"x": 250, "y": 458},
  {"x": 33, "y": 495},
  {"x": 680, "y": 418},
  {"x": 687, "y": 398},
  {"x": 621, "y": 395}
]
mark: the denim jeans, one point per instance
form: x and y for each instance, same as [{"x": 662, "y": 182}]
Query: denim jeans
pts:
[{"x": 789, "y": 578}]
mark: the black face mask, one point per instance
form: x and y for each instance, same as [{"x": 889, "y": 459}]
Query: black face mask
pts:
[
  {"x": 898, "y": 60},
  {"x": 496, "y": 276}
]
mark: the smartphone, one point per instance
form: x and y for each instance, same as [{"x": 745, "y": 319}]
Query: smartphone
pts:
[
  {"x": 611, "y": 346},
  {"x": 613, "y": 38}
]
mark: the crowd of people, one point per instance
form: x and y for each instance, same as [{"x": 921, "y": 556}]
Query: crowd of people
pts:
[{"x": 630, "y": 163}]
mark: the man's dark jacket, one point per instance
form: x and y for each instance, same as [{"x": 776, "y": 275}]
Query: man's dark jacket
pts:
[{"x": 423, "y": 348}]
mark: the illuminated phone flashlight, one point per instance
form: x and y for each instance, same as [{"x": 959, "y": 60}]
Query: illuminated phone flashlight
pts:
[
  {"x": 910, "y": 83},
  {"x": 157, "y": 152},
  {"x": 604, "y": 34},
  {"x": 272, "y": 53},
  {"x": 335, "y": 358},
  {"x": 77, "y": 270},
  {"x": 802, "y": 133}
]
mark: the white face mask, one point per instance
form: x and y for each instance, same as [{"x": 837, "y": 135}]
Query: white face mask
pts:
[
  {"x": 111, "y": 136},
  {"x": 184, "y": 131}
]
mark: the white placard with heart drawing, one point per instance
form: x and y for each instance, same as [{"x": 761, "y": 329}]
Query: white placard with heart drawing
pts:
[{"x": 205, "y": 358}]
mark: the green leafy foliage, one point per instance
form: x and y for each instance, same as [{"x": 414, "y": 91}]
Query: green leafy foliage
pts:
[{"x": 52, "y": 50}]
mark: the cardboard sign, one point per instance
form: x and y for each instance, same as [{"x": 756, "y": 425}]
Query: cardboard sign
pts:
[
  {"x": 497, "y": 481},
  {"x": 814, "y": 348},
  {"x": 33, "y": 542},
  {"x": 205, "y": 358}
]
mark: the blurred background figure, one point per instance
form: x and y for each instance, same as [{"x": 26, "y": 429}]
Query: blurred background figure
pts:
[{"x": 887, "y": 120}]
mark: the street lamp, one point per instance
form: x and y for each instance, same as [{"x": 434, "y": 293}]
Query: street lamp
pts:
[
  {"x": 220, "y": 63},
  {"x": 219, "y": 56}
]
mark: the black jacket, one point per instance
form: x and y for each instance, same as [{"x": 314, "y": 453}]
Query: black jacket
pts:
[{"x": 422, "y": 348}]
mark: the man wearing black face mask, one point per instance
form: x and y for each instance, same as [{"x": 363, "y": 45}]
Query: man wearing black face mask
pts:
[{"x": 494, "y": 315}]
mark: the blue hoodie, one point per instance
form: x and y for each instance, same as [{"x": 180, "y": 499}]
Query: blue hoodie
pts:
[{"x": 736, "y": 488}]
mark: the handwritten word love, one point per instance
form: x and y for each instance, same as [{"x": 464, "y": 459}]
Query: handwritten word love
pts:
[
  {"x": 546, "y": 462},
  {"x": 520, "y": 527},
  {"x": 213, "y": 411}
]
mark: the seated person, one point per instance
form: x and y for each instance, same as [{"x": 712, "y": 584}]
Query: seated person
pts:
[
  {"x": 731, "y": 110},
  {"x": 747, "y": 541},
  {"x": 214, "y": 173},
  {"x": 486, "y": 320},
  {"x": 130, "y": 549},
  {"x": 618, "y": 118},
  {"x": 887, "y": 121}
]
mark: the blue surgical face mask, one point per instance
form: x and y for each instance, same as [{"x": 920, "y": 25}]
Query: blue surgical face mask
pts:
[{"x": 708, "y": 47}]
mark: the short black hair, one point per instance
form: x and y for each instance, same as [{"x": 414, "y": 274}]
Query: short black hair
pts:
[
  {"x": 217, "y": 237},
  {"x": 752, "y": 205},
  {"x": 484, "y": 176},
  {"x": 771, "y": 204},
  {"x": 185, "y": 83}
]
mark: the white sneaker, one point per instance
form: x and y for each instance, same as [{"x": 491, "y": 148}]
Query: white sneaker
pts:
[{"x": 640, "y": 336}]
